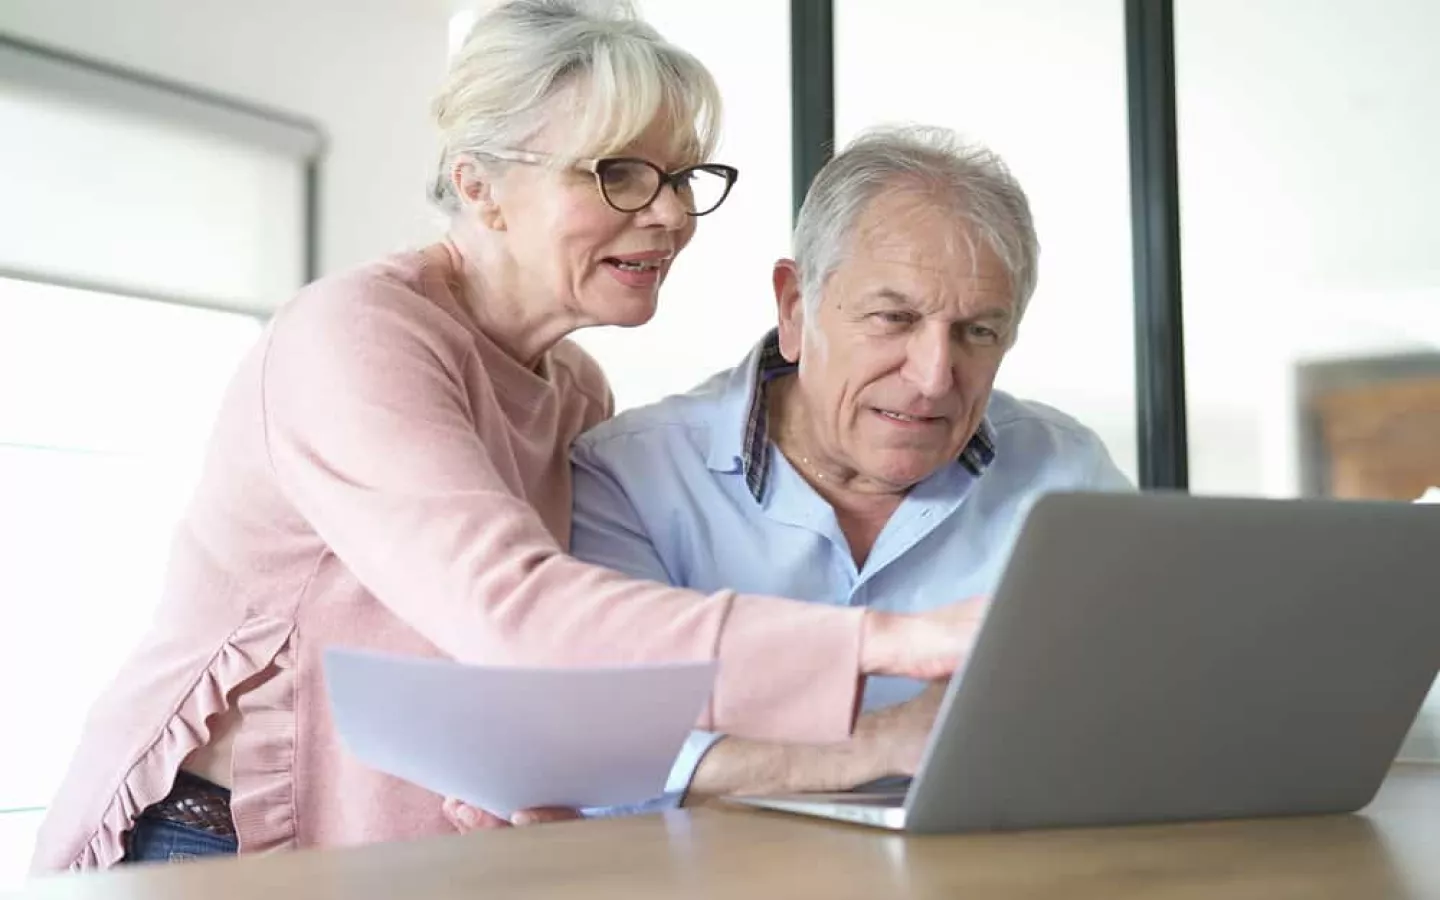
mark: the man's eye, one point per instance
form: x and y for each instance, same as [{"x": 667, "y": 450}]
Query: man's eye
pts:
[
  {"x": 984, "y": 334},
  {"x": 893, "y": 318}
]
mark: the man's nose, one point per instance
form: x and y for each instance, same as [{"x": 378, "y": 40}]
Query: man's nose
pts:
[{"x": 930, "y": 364}]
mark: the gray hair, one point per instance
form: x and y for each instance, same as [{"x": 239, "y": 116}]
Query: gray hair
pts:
[
  {"x": 622, "y": 75},
  {"x": 969, "y": 179}
]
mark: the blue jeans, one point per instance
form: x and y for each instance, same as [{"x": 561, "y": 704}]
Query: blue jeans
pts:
[{"x": 156, "y": 840}]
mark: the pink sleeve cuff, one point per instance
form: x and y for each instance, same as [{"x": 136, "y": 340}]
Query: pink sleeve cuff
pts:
[{"x": 792, "y": 671}]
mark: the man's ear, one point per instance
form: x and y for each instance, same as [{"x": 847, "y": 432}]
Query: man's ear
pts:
[
  {"x": 476, "y": 190},
  {"x": 789, "y": 308}
]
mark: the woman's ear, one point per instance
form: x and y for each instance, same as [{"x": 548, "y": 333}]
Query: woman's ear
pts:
[{"x": 475, "y": 187}]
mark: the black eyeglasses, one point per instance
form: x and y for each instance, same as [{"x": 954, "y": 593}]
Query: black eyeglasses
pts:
[{"x": 629, "y": 184}]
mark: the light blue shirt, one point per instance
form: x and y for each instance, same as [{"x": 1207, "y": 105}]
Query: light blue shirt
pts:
[{"x": 662, "y": 493}]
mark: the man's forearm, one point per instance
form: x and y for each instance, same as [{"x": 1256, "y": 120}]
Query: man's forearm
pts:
[
  {"x": 738, "y": 766},
  {"x": 886, "y": 742}
]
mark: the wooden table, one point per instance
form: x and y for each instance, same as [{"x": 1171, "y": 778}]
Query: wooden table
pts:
[{"x": 1391, "y": 850}]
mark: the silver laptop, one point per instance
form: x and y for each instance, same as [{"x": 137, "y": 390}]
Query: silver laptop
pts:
[{"x": 1162, "y": 657}]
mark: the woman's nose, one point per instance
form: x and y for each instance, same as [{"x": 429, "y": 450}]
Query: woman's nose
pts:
[{"x": 666, "y": 210}]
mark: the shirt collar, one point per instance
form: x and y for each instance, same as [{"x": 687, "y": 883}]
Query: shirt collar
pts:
[{"x": 766, "y": 364}]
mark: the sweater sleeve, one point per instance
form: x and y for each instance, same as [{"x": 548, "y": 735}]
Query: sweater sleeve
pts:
[{"x": 372, "y": 433}]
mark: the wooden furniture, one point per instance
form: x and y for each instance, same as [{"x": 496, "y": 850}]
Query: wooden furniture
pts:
[
  {"x": 1381, "y": 440},
  {"x": 1392, "y": 850}
]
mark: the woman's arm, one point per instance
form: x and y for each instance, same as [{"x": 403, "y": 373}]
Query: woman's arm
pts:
[{"x": 372, "y": 435}]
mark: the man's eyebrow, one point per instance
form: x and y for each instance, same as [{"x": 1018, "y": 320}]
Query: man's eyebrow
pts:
[
  {"x": 998, "y": 313},
  {"x": 993, "y": 313},
  {"x": 890, "y": 295}
]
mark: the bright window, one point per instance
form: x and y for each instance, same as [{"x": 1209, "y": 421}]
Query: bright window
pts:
[
  {"x": 119, "y": 194},
  {"x": 105, "y": 402}
]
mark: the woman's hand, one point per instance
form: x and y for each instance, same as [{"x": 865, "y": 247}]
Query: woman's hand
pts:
[
  {"x": 467, "y": 818},
  {"x": 924, "y": 645}
]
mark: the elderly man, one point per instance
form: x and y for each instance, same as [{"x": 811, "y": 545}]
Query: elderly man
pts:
[{"x": 859, "y": 454}]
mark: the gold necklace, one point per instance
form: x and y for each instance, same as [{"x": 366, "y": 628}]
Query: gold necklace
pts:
[
  {"x": 775, "y": 402},
  {"x": 814, "y": 469}
]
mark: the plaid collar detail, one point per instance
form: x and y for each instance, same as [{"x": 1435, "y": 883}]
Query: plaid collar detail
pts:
[
  {"x": 754, "y": 449},
  {"x": 755, "y": 456}
]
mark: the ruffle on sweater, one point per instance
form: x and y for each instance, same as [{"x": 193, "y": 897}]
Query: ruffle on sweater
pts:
[{"x": 248, "y": 650}]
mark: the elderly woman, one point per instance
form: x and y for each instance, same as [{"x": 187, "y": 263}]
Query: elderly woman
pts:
[{"x": 389, "y": 470}]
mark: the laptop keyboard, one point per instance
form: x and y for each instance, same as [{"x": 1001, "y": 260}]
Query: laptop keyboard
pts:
[
  {"x": 894, "y": 785},
  {"x": 871, "y": 799}
]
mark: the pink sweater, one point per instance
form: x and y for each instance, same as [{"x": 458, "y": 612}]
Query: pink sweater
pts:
[{"x": 381, "y": 475}]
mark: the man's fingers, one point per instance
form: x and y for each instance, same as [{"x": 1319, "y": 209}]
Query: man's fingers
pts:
[{"x": 544, "y": 814}]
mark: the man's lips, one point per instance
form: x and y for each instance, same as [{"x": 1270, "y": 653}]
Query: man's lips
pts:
[{"x": 908, "y": 418}]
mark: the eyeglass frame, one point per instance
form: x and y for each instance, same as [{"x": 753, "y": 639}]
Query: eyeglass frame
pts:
[{"x": 598, "y": 166}]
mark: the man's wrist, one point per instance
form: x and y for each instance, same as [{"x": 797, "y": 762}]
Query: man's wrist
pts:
[
  {"x": 870, "y": 746},
  {"x": 744, "y": 767},
  {"x": 832, "y": 767}
]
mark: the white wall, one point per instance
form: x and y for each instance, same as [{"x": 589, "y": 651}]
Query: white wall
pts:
[{"x": 365, "y": 69}]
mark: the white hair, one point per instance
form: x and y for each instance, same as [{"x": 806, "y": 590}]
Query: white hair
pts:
[
  {"x": 965, "y": 179},
  {"x": 620, "y": 75}
]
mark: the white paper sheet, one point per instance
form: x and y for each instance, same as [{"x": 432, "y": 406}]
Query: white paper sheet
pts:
[{"x": 505, "y": 739}]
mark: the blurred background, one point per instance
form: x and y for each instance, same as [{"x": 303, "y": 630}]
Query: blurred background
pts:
[{"x": 172, "y": 170}]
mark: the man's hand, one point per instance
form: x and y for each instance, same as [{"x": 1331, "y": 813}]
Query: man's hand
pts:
[
  {"x": 467, "y": 818},
  {"x": 886, "y": 742},
  {"x": 925, "y": 645},
  {"x": 895, "y": 736}
]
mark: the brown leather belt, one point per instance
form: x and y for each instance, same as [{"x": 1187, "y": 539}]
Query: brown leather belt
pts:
[{"x": 195, "y": 803}]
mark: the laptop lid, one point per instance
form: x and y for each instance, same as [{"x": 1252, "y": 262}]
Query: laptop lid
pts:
[{"x": 1153, "y": 657}]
